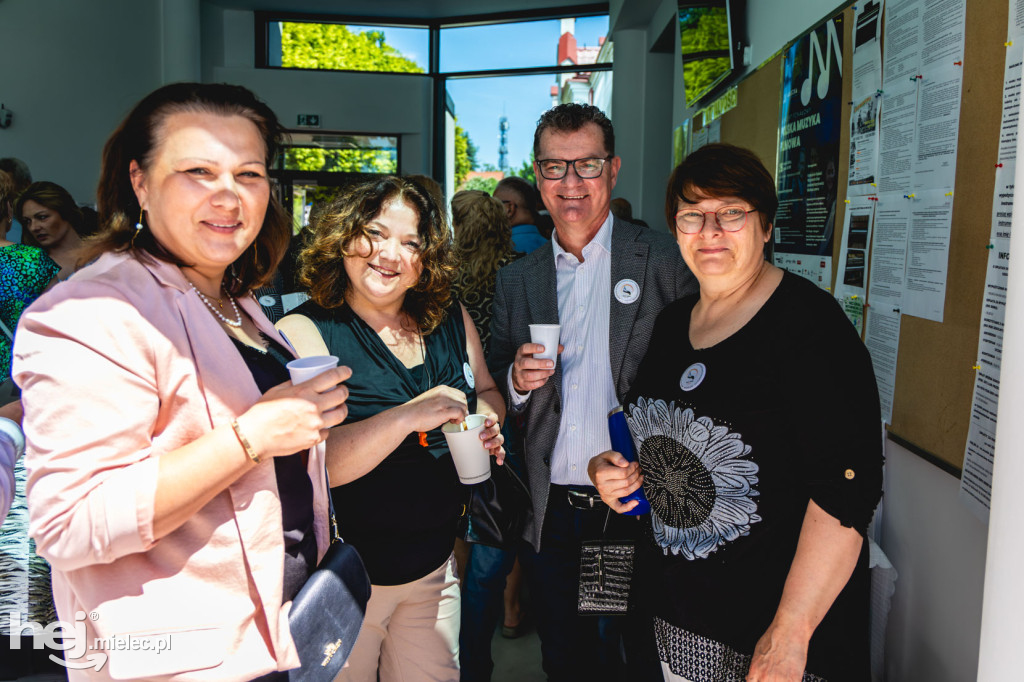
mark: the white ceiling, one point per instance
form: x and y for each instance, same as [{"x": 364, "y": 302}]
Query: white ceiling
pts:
[{"x": 418, "y": 9}]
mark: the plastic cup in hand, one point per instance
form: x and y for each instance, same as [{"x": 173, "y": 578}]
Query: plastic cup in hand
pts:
[
  {"x": 547, "y": 336},
  {"x": 472, "y": 460},
  {"x": 305, "y": 369}
]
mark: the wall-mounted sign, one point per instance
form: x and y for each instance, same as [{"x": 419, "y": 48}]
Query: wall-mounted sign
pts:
[{"x": 309, "y": 120}]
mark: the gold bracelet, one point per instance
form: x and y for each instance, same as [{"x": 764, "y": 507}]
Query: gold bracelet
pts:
[{"x": 245, "y": 443}]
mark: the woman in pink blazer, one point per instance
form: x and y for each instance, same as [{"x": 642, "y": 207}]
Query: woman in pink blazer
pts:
[{"x": 170, "y": 485}]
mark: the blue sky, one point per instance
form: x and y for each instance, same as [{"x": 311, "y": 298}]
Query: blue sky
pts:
[{"x": 480, "y": 102}]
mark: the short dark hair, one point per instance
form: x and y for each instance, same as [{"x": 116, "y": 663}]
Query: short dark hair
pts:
[
  {"x": 137, "y": 139},
  {"x": 570, "y": 117},
  {"x": 722, "y": 170},
  {"x": 54, "y": 197},
  {"x": 343, "y": 222},
  {"x": 18, "y": 171},
  {"x": 528, "y": 195}
]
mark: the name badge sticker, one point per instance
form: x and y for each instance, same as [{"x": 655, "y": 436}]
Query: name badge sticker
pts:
[
  {"x": 468, "y": 372},
  {"x": 692, "y": 377},
  {"x": 627, "y": 291}
]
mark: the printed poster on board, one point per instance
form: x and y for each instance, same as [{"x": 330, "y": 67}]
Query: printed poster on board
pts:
[{"x": 808, "y": 156}]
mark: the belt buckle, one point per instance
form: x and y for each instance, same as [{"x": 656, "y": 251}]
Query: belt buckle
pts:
[{"x": 575, "y": 495}]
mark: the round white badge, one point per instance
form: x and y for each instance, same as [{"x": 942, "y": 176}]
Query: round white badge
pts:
[
  {"x": 468, "y": 371},
  {"x": 627, "y": 291},
  {"x": 267, "y": 301},
  {"x": 692, "y": 377}
]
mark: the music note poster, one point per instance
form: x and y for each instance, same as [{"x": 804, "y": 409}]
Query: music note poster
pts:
[{"x": 808, "y": 156}]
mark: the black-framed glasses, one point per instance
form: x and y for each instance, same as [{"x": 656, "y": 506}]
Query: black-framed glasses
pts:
[
  {"x": 730, "y": 219},
  {"x": 587, "y": 169}
]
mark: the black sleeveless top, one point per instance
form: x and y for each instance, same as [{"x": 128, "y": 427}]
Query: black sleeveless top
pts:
[
  {"x": 402, "y": 515},
  {"x": 293, "y": 484}
]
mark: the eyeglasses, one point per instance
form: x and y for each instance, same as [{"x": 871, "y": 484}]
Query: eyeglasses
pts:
[
  {"x": 730, "y": 219},
  {"x": 586, "y": 169}
]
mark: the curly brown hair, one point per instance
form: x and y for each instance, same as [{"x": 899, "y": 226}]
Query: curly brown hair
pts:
[
  {"x": 137, "y": 139},
  {"x": 483, "y": 237},
  {"x": 344, "y": 221}
]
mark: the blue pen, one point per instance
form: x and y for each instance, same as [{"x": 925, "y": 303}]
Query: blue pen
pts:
[{"x": 622, "y": 442}]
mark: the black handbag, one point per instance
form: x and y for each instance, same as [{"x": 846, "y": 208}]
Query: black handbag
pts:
[
  {"x": 606, "y": 575},
  {"x": 327, "y": 613},
  {"x": 497, "y": 509}
]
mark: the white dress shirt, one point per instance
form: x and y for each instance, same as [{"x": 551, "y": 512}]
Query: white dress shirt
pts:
[{"x": 588, "y": 391}]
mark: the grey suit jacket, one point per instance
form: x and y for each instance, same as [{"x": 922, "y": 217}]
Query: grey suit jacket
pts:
[{"x": 526, "y": 293}]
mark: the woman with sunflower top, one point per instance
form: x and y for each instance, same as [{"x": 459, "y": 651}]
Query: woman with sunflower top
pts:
[{"x": 755, "y": 416}]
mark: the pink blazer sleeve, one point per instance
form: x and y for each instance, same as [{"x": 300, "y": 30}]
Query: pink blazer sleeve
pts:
[{"x": 85, "y": 362}]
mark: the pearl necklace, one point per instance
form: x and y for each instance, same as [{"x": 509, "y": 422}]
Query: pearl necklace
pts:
[{"x": 237, "y": 322}]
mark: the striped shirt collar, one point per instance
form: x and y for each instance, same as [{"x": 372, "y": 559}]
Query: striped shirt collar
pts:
[{"x": 602, "y": 239}]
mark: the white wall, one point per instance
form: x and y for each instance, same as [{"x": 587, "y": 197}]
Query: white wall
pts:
[
  {"x": 71, "y": 71},
  {"x": 938, "y": 548},
  {"x": 395, "y": 104}
]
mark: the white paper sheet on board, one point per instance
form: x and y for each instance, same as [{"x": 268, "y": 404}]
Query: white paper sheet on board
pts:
[
  {"x": 938, "y": 128},
  {"x": 902, "y": 41},
  {"x": 976, "y": 479},
  {"x": 1015, "y": 26},
  {"x": 866, "y": 100},
  {"x": 851, "y": 278},
  {"x": 882, "y": 338},
  {"x": 889, "y": 254},
  {"x": 898, "y": 133},
  {"x": 931, "y": 217},
  {"x": 942, "y": 34}
]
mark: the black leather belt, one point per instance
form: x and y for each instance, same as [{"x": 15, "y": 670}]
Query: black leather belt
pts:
[{"x": 578, "y": 497}]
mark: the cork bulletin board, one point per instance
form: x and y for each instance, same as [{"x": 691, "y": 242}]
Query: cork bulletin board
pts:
[{"x": 935, "y": 375}]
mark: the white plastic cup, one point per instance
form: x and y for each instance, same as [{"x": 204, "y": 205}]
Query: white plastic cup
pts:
[
  {"x": 472, "y": 460},
  {"x": 305, "y": 369},
  {"x": 547, "y": 336}
]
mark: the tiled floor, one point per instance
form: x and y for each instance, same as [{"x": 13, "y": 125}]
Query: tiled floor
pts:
[{"x": 516, "y": 660}]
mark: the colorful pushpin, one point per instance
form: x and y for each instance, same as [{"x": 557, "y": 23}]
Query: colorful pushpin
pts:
[
  {"x": 949, "y": 194},
  {"x": 958, "y": 63},
  {"x": 975, "y": 366},
  {"x": 911, "y": 196},
  {"x": 846, "y": 200},
  {"x": 1008, "y": 43},
  {"x": 990, "y": 246},
  {"x": 874, "y": 184},
  {"x": 854, "y": 296},
  {"x": 999, "y": 165}
]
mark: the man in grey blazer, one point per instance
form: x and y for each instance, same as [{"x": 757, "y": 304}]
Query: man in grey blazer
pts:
[{"x": 604, "y": 281}]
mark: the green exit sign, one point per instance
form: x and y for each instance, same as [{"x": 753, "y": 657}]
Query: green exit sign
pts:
[{"x": 309, "y": 120}]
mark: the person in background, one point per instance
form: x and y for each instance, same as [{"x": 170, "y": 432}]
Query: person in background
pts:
[
  {"x": 622, "y": 209},
  {"x": 51, "y": 220},
  {"x": 173, "y": 484},
  {"x": 756, "y": 419},
  {"x": 520, "y": 200},
  {"x": 603, "y": 280},
  {"x": 484, "y": 243},
  {"x": 379, "y": 267},
  {"x": 25, "y": 272},
  {"x": 19, "y": 172}
]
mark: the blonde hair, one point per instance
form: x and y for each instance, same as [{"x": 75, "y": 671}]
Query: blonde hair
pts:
[{"x": 483, "y": 237}]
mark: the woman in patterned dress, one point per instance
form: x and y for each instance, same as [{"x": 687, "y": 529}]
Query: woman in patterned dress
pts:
[
  {"x": 50, "y": 219},
  {"x": 25, "y": 271},
  {"x": 755, "y": 416}
]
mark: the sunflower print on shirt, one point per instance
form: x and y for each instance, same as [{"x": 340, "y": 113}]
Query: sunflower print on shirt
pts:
[{"x": 697, "y": 477}]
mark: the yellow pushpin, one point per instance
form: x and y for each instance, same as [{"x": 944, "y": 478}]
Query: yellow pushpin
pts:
[
  {"x": 912, "y": 196},
  {"x": 846, "y": 200},
  {"x": 949, "y": 194},
  {"x": 976, "y": 367},
  {"x": 874, "y": 184},
  {"x": 853, "y": 296},
  {"x": 1008, "y": 43}
]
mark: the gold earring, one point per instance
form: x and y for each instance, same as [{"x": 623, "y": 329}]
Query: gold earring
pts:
[{"x": 138, "y": 228}]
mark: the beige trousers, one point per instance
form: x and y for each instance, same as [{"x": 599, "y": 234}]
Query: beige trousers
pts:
[{"x": 410, "y": 632}]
